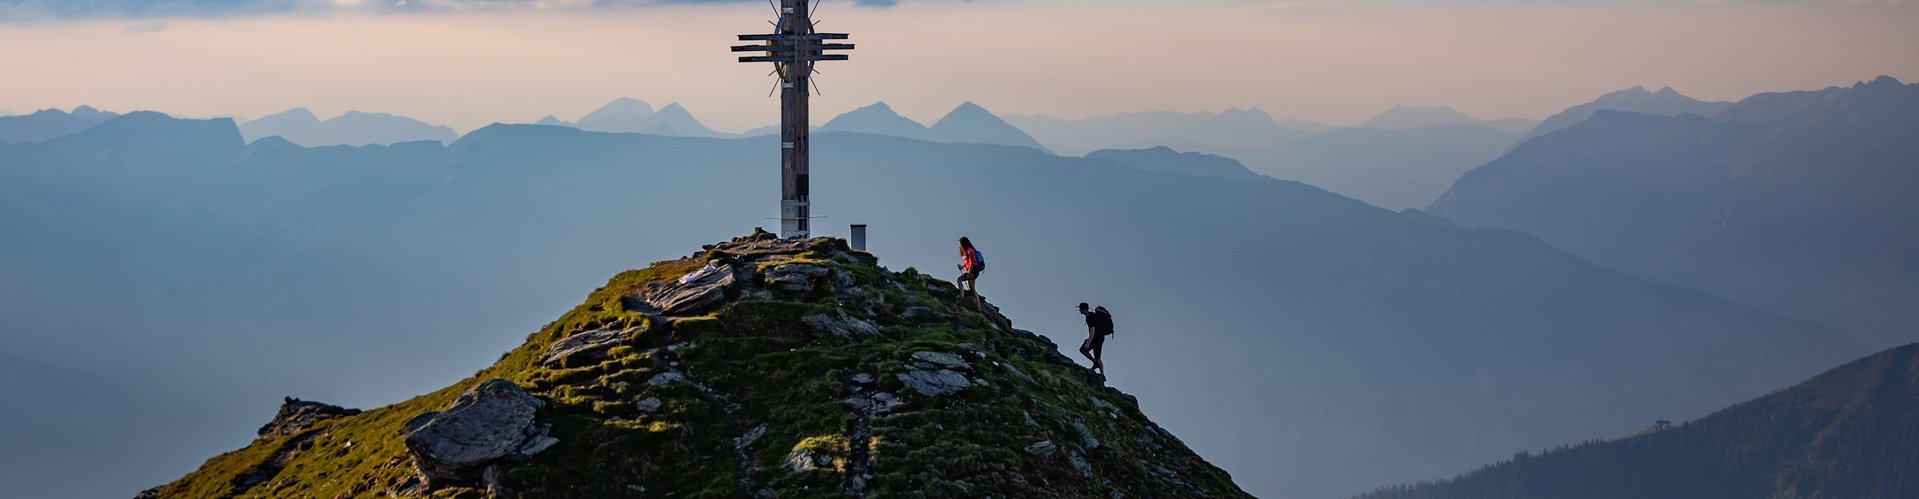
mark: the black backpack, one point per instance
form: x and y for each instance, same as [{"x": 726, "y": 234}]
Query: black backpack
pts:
[{"x": 1102, "y": 321}]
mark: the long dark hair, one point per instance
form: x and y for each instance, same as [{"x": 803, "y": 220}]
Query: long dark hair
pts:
[{"x": 966, "y": 243}]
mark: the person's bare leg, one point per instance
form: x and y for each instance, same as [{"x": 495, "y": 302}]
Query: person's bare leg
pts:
[
  {"x": 973, "y": 283},
  {"x": 1086, "y": 349}
]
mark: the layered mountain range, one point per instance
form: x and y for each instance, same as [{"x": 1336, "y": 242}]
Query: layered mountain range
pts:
[
  {"x": 1310, "y": 344},
  {"x": 1796, "y": 202},
  {"x": 49, "y": 123},
  {"x": 1665, "y": 102},
  {"x": 1401, "y": 158},
  {"x": 1404, "y": 117},
  {"x": 352, "y": 128}
]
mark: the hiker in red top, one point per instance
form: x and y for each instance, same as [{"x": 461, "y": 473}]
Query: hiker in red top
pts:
[{"x": 971, "y": 264}]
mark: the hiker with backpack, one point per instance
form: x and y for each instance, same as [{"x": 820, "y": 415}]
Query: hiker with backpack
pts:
[
  {"x": 971, "y": 264},
  {"x": 1099, "y": 325}
]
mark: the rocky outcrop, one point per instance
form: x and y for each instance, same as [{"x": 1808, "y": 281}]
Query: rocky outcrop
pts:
[
  {"x": 586, "y": 348},
  {"x": 693, "y": 295},
  {"x": 490, "y": 423},
  {"x": 845, "y": 327},
  {"x": 936, "y": 374},
  {"x": 796, "y": 277},
  {"x": 297, "y": 415},
  {"x": 934, "y": 383}
]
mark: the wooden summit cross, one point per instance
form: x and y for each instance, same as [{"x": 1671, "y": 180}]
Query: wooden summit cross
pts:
[{"x": 793, "y": 47}]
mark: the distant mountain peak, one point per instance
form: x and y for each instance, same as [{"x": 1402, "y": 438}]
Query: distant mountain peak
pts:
[
  {"x": 876, "y": 118},
  {"x": 628, "y": 102},
  {"x": 352, "y": 128},
  {"x": 49, "y": 123},
  {"x": 1163, "y": 158},
  {"x": 1882, "y": 81},
  {"x": 364, "y": 114},
  {"x": 1402, "y": 108},
  {"x": 1665, "y": 102},
  {"x": 672, "y": 111},
  {"x": 675, "y": 120},
  {"x": 300, "y": 114},
  {"x": 971, "y": 123},
  {"x": 1253, "y": 113},
  {"x": 967, "y": 111},
  {"x": 212, "y": 136},
  {"x": 1403, "y": 116},
  {"x": 624, "y": 114}
]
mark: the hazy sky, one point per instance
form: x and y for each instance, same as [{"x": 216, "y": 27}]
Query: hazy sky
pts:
[{"x": 468, "y": 63}]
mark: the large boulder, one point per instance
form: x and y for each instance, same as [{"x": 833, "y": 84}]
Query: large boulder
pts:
[{"x": 492, "y": 422}]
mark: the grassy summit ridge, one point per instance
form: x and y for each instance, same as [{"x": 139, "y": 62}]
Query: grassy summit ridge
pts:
[{"x": 802, "y": 370}]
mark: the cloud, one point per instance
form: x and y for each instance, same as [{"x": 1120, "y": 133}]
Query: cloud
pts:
[
  {"x": 59, "y": 10},
  {"x": 32, "y": 10},
  {"x": 18, "y": 11}
]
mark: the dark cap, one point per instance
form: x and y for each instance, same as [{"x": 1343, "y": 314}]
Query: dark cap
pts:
[{"x": 1082, "y": 305}]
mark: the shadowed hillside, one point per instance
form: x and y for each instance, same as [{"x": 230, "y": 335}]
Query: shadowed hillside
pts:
[
  {"x": 1797, "y": 202},
  {"x": 1845, "y": 433}
]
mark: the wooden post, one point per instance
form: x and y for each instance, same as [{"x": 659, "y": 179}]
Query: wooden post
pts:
[
  {"x": 793, "y": 48},
  {"x": 796, "y": 80}
]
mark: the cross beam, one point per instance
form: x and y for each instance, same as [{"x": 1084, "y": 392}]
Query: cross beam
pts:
[{"x": 793, "y": 47}]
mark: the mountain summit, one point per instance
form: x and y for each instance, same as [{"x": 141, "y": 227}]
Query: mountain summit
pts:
[
  {"x": 971, "y": 124},
  {"x": 354, "y": 128},
  {"x": 1665, "y": 102},
  {"x": 757, "y": 367},
  {"x": 49, "y": 123},
  {"x": 624, "y": 114},
  {"x": 1403, "y": 117},
  {"x": 877, "y": 118},
  {"x": 675, "y": 120}
]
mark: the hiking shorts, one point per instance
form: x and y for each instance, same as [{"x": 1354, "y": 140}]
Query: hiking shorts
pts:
[
  {"x": 969, "y": 275},
  {"x": 1095, "y": 343}
]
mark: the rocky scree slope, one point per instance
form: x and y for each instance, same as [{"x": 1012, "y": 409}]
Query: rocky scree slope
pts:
[{"x": 757, "y": 367}]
